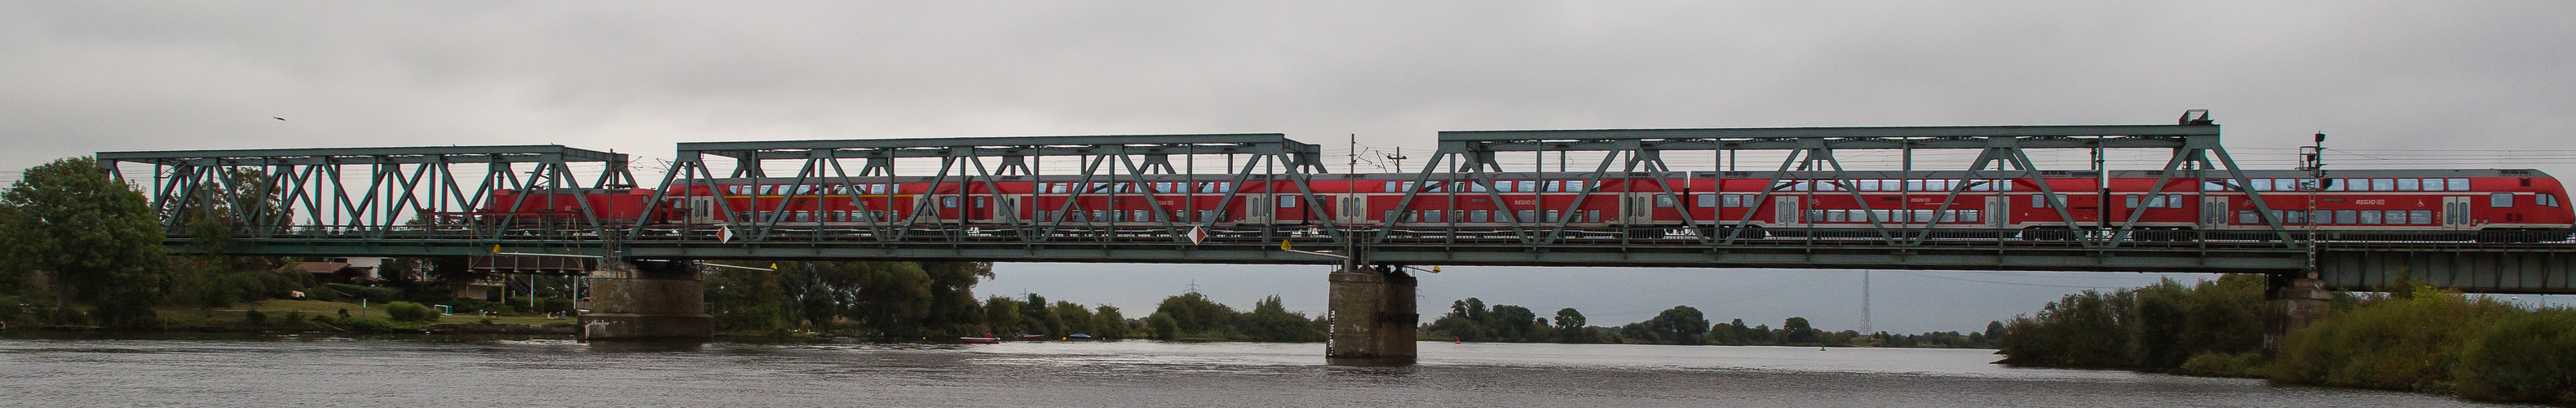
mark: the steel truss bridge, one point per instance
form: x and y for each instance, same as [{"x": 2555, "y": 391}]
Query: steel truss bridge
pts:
[{"x": 407, "y": 202}]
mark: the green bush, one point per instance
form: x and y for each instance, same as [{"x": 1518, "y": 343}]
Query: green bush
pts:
[
  {"x": 254, "y": 318},
  {"x": 2223, "y": 365},
  {"x": 373, "y": 294},
  {"x": 411, "y": 312},
  {"x": 2407, "y": 343},
  {"x": 544, "y": 305},
  {"x": 2527, "y": 357}
]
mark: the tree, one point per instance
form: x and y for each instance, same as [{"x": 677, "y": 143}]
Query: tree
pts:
[
  {"x": 98, "y": 238},
  {"x": 1570, "y": 327},
  {"x": 1001, "y": 315},
  {"x": 1679, "y": 325},
  {"x": 1270, "y": 320},
  {"x": 1109, "y": 323},
  {"x": 1797, "y": 331}
]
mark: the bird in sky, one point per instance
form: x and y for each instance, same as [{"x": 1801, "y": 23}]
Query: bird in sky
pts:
[{"x": 278, "y": 118}]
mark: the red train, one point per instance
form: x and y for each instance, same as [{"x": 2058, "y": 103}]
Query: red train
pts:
[{"x": 2508, "y": 200}]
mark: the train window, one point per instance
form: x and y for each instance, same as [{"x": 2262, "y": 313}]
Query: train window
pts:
[
  {"x": 1732, "y": 200},
  {"x": 2213, "y": 186},
  {"x": 1528, "y": 216},
  {"x": 1916, "y": 185},
  {"x": 1479, "y": 215},
  {"x": 1866, "y": 185},
  {"x": 2309, "y": 185},
  {"x": 2347, "y": 217},
  {"x": 1554, "y": 216},
  {"x": 2546, "y": 199},
  {"x": 2408, "y": 184},
  {"x": 1664, "y": 201},
  {"x": 2500, "y": 200},
  {"x": 980, "y": 202},
  {"x": 1593, "y": 215},
  {"x": 2248, "y": 217},
  {"x": 1554, "y": 186},
  {"x": 2383, "y": 184},
  {"x": 2352, "y": 184},
  {"x": 2369, "y": 217},
  {"x": 2332, "y": 185},
  {"x": 1391, "y": 187},
  {"x": 948, "y": 202},
  {"x": 1835, "y": 216},
  {"x": 2459, "y": 184},
  {"x": 2036, "y": 202},
  {"x": 1526, "y": 186},
  {"x": 1970, "y": 215},
  {"x": 2262, "y": 184},
  {"x": 2419, "y": 217},
  {"x": 1575, "y": 186},
  {"x": 1287, "y": 201},
  {"x": 1706, "y": 200},
  {"x": 1136, "y": 215}
]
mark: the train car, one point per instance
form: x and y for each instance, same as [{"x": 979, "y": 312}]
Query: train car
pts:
[
  {"x": 610, "y": 205},
  {"x": 2394, "y": 204}
]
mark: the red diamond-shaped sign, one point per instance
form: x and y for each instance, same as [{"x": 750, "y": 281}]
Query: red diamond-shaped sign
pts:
[{"x": 1197, "y": 235}]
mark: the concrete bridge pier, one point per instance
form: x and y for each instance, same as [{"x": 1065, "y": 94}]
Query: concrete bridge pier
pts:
[
  {"x": 647, "y": 299},
  {"x": 1373, "y": 317},
  {"x": 2292, "y": 302}
]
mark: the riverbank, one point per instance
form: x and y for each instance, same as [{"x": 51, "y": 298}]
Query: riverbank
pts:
[{"x": 2420, "y": 340}]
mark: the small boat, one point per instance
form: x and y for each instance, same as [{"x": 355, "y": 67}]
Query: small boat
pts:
[
  {"x": 980, "y": 340},
  {"x": 1033, "y": 337},
  {"x": 1078, "y": 336}
]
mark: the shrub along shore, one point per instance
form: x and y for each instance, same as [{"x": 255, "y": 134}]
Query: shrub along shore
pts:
[{"x": 2420, "y": 339}]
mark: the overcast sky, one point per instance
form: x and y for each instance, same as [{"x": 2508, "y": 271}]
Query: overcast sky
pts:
[{"x": 2398, "y": 84}]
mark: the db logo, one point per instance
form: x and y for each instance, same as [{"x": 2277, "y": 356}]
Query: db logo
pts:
[{"x": 1524, "y": 202}]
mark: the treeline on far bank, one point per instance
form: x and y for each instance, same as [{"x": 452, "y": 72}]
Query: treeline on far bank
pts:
[
  {"x": 2417, "y": 338},
  {"x": 1471, "y": 320},
  {"x": 925, "y": 299}
]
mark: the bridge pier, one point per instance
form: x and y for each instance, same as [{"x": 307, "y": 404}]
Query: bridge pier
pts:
[
  {"x": 647, "y": 300},
  {"x": 2292, "y": 302},
  {"x": 1373, "y": 317}
]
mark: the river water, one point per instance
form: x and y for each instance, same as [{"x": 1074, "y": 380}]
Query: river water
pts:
[{"x": 245, "y": 370}]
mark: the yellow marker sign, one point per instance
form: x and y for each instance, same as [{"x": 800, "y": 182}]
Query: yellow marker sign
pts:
[
  {"x": 496, "y": 248},
  {"x": 1283, "y": 245},
  {"x": 1435, "y": 269}
]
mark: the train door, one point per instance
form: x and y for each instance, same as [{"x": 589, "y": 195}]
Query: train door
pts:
[
  {"x": 1010, "y": 206},
  {"x": 1996, "y": 206},
  {"x": 979, "y": 208},
  {"x": 1350, "y": 209},
  {"x": 702, "y": 210},
  {"x": 1258, "y": 208},
  {"x": 2455, "y": 214},
  {"x": 1637, "y": 208},
  {"x": 1785, "y": 210},
  {"x": 2213, "y": 212}
]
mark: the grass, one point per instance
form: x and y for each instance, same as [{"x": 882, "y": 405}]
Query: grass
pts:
[{"x": 231, "y": 317}]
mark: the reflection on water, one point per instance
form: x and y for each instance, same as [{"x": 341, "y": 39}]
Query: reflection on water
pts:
[{"x": 234, "y": 370}]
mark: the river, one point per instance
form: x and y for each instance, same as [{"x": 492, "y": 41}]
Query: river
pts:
[{"x": 326, "y": 370}]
